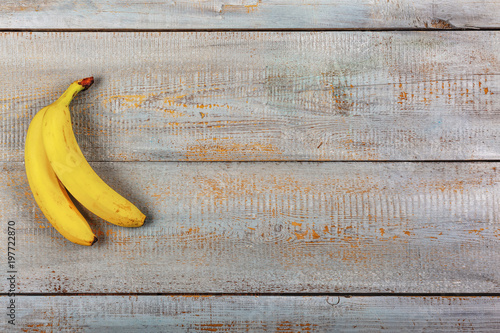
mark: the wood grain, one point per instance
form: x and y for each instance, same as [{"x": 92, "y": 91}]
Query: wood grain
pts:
[
  {"x": 273, "y": 228},
  {"x": 254, "y": 314},
  {"x": 249, "y": 14},
  {"x": 248, "y": 96}
]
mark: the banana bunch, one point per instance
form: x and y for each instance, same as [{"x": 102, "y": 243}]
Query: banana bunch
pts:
[{"x": 54, "y": 163}]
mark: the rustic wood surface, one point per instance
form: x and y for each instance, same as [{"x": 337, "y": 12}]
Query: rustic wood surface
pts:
[
  {"x": 272, "y": 228},
  {"x": 249, "y": 14},
  {"x": 255, "y": 314},
  {"x": 260, "y": 96},
  {"x": 281, "y": 167}
]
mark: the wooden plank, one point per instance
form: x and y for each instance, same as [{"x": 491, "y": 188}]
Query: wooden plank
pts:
[
  {"x": 253, "y": 314},
  {"x": 250, "y": 14},
  {"x": 246, "y": 96},
  {"x": 274, "y": 228}
]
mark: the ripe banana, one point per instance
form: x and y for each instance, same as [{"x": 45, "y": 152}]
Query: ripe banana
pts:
[
  {"x": 73, "y": 170},
  {"x": 49, "y": 194}
]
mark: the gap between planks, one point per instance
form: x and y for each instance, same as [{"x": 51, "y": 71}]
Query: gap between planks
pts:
[
  {"x": 345, "y": 295},
  {"x": 289, "y": 161},
  {"x": 479, "y": 29}
]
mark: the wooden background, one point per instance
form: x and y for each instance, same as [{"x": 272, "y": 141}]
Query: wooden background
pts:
[{"x": 311, "y": 165}]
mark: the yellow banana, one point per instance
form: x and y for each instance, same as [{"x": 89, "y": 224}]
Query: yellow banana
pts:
[
  {"x": 50, "y": 196},
  {"x": 74, "y": 171}
]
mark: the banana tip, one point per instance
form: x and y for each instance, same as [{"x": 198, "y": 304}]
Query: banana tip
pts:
[
  {"x": 93, "y": 242},
  {"x": 87, "y": 82}
]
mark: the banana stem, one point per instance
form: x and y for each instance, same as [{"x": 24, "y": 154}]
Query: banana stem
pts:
[{"x": 74, "y": 89}]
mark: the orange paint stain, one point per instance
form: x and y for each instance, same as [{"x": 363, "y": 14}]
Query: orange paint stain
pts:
[
  {"x": 382, "y": 231},
  {"x": 153, "y": 100},
  {"x": 98, "y": 233},
  {"x": 485, "y": 91},
  {"x": 354, "y": 242},
  {"x": 251, "y": 8},
  {"x": 315, "y": 234},
  {"x": 175, "y": 114},
  {"x": 192, "y": 231},
  {"x": 126, "y": 100},
  {"x": 301, "y": 235},
  {"x": 110, "y": 232},
  {"x": 239, "y": 7},
  {"x": 403, "y": 96},
  {"x": 407, "y": 233},
  {"x": 289, "y": 327},
  {"x": 209, "y": 106},
  {"x": 210, "y": 327},
  {"x": 221, "y": 150},
  {"x": 476, "y": 231}
]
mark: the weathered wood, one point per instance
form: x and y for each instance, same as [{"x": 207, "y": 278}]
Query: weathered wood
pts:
[
  {"x": 272, "y": 227},
  {"x": 254, "y": 314},
  {"x": 249, "y": 14},
  {"x": 260, "y": 96}
]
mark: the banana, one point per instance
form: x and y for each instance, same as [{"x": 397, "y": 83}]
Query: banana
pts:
[
  {"x": 73, "y": 170},
  {"x": 50, "y": 196}
]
